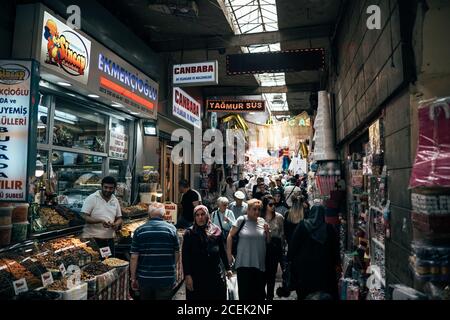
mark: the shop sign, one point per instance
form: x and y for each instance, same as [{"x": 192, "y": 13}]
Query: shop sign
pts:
[
  {"x": 171, "y": 212},
  {"x": 118, "y": 145},
  {"x": 64, "y": 50},
  {"x": 186, "y": 108},
  {"x": 15, "y": 95},
  {"x": 196, "y": 74},
  {"x": 117, "y": 80},
  {"x": 236, "y": 106}
]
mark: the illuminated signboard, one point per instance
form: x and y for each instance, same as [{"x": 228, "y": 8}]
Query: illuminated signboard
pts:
[
  {"x": 186, "y": 108},
  {"x": 16, "y": 112},
  {"x": 64, "y": 50},
  {"x": 236, "y": 106},
  {"x": 195, "y": 74}
]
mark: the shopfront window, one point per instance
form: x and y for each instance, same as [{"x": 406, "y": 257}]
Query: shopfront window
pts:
[
  {"x": 77, "y": 175},
  {"x": 75, "y": 128},
  {"x": 43, "y": 118}
]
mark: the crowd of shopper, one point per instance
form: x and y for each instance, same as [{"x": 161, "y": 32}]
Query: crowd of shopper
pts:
[{"x": 259, "y": 225}]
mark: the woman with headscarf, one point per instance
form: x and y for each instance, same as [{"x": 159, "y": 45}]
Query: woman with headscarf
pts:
[
  {"x": 314, "y": 256},
  {"x": 203, "y": 250}
]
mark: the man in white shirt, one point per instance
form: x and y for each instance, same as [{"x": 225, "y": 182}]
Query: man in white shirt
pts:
[
  {"x": 239, "y": 207},
  {"x": 102, "y": 213}
]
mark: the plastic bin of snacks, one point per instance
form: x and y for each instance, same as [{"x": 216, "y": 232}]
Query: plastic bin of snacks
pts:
[
  {"x": 5, "y": 235},
  {"x": 20, "y": 213},
  {"x": 5, "y": 216},
  {"x": 19, "y": 231}
]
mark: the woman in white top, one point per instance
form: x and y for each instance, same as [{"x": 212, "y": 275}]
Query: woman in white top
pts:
[
  {"x": 223, "y": 217},
  {"x": 250, "y": 257}
]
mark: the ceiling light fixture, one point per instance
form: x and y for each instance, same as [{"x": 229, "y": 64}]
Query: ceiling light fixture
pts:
[
  {"x": 93, "y": 96},
  {"x": 64, "y": 84}
]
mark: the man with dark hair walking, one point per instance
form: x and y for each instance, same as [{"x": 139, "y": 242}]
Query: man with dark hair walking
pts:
[{"x": 102, "y": 213}]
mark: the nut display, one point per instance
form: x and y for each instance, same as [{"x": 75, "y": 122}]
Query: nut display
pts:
[
  {"x": 114, "y": 262},
  {"x": 128, "y": 229},
  {"x": 50, "y": 217},
  {"x": 58, "y": 285},
  {"x": 96, "y": 269}
]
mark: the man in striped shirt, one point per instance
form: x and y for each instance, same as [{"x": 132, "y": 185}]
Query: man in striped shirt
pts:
[{"x": 154, "y": 257}]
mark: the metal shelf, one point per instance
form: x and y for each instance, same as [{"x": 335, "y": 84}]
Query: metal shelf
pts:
[{"x": 378, "y": 243}]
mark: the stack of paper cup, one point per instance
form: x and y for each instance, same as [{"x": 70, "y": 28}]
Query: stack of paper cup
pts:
[{"x": 324, "y": 135}]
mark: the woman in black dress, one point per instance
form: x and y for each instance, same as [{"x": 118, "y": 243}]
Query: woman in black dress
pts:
[
  {"x": 314, "y": 256},
  {"x": 203, "y": 250}
]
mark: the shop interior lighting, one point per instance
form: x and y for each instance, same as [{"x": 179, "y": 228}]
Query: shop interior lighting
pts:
[
  {"x": 93, "y": 96},
  {"x": 150, "y": 128},
  {"x": 71, "y": 94},
  {"x": 39, "y": 169},
  {"x": 64, "y": 84}
]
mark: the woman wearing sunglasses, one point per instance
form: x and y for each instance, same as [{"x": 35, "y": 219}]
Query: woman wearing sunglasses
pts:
[{"x": 274, "y": 251}]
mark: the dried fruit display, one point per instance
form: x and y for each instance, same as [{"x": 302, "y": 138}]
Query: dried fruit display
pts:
[
  {"x": 51, "y": 217},
  {"x": 96, "y": 269}
]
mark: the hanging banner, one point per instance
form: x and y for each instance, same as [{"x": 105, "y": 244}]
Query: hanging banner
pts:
[
  {"x": 15, "y": 109},
  {"x": 64, "y": 50},
  {"x": 235, "y": 106},
  {"x": 186, "y": 108},
  {"x": 196, "y": 74}
]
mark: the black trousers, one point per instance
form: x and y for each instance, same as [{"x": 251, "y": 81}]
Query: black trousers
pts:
[
  {"x": 101, "y": 243},
  {"x": 251, "y": 283},
  {"x": 274, "y": 256}
]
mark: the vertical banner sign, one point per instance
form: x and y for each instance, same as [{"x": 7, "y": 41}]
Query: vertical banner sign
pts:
[
  {"x": 118, "y": 145},
  {"x": 16, "y": 112},
  {"x": 186, "y": 108}
]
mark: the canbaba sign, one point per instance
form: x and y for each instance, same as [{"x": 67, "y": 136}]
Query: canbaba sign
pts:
[
  {"x": 236, "y": 106},
  {"x": 186, "y": 108},
  {"x": 63, "y": 50},
  {"x": 195, "y": 74},
  {"x": 15, "y": 95}
]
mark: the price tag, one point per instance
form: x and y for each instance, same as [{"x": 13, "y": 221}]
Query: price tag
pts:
[
  {"x": 105, "y": 252},
  {"x": 20, "y": 286},
  {"x": 62, "y": 269},
  {"x": 47, "y": 279}
]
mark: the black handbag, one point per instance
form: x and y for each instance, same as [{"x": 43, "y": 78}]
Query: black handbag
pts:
[{"x": 236, "y": 239}]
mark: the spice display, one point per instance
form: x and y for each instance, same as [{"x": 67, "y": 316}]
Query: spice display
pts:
[
  {"x": 114, "y": 262},
  {"x": 96, "y": 269}
]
